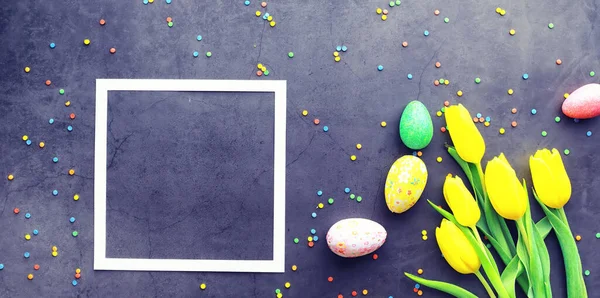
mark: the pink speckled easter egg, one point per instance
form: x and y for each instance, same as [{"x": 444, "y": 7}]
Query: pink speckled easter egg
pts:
[
  {"x": 355, "y": 237},
  {"x": 583, "y": 103}
]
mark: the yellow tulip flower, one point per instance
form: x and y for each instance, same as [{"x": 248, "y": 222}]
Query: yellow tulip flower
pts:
[
  {"x": 550, "y": 178},
  {"x": 461, "y": 201},
  {"x": 456, "y": 249},
  {"x": 505, "y": 192},
  {"x": 466, "y": 137}
]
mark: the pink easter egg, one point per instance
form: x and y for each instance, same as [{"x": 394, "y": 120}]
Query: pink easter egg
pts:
[
  {"x": 583, "y": 103},
  {"x": 355, "y": 237}
]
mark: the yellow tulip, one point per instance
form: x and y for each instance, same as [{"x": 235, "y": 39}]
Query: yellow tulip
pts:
[
  {"x": 550, "y": 178},
  {"x": 461, "y": 201},
  {"x": 466, "y": 137},
  {"x": 456, "y": 249},
  {"x": 505, "y": 191}
]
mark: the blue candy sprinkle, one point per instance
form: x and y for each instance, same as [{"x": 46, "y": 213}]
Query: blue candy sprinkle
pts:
[
  {"x": 525, "y": 76},
  {"x": 380, "y": 67},
  {"x": 325, "y": 128},
  {"x": 319, "y": 193},
  {"x": 195, "y": 54},
  {"x": 414, "y": 153},
  {"x": 426, "y": 33},
  {"x": 533, "y": 111},
  {"x": 55, "y": 159},
  {"x": 72, "y": 219},
  {"x": 344, "y": 48},
  {"x": 199, "y": 37},
  {"x": 391, "y": 297},
  {"x": 478, "y": 115},
  {"x": 409, "y": 76},
  {"x": 28, "y": 142},
  {"x": 168, "y": 1},
  {"x": 74, "y": 282},
  {"x": 28, "y": 215},
  {"x": 1, "y": 266},
  {"x": 488, "y": 119},
  {"x": 314, "y": 215},
  {"x": 52, "y": 45},
  {"x": 145, "y": 1},
  {"x": 338, "y": 48},
  {"x": 267, "y": 14},
  {"x": 35, "y": 232},
  {"x": 70, "y": 128},
  {"x": 246, "y": 2},
  {"x": 315, "y": 238},
  {"x": 51, "y": 120},
  {"x": 417, "y": 286},
  {"x": 55, "y": 192},
  {"x": 589, "y": 133},
  {"x": 347, "y": 190},
  {"x": 313, "y": 231},
  {"x": 26, "y": 255}
]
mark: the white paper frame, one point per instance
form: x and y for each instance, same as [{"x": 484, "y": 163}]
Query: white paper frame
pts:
[{"x": 101, "y": 262}]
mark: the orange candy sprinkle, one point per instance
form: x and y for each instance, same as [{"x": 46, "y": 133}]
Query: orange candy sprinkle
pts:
[
  {"x": 514, "y": 110},
  {"x": 263, "y": 4},
  {"x": 102, "y": 22},
  {"x": 113, "y": 50},
  {"x": 558, "y": 62},
  {"x": 475, "y": 119},
  {"x": 420, "y": 271},
  {"x": 72, "y": 116},
  {"x": 16, "y": 210},
  {"x": 438, "y": 64},
  {"x": 316, "y": 121},
  {"x": 436, "y": 82},
  {"x": 375, "y": 256},
  {"x": 311, "y": 244},
  {"x": 513, "y": 124},
  {"x": 436, "y": 12},
  {"x": 77, "y": 275},
  {"x": 420, "y": 293},
  {"x": 330, "y": 279},
  {"x": 354, "y": 293},
  {"x": 405, "y": 44},
  {"x": 578, "y": 237},
  {"x": 443, "y": 129},
  {"x": 481, "y": 119},
  {"x": 48, "y": 82},
  {"x": 259, "y": 73},
  {"x": 340, "y": 296},
  {"x": 169, "y": 19},
  {"x": 415, "y": 290},
  {"x": 419, "y": 154},
  {"x": 36, "y": 267},
  {"x": 446, "y": 103}
]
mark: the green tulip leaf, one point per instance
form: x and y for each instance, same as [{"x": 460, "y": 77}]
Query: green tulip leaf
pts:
[
  {"x": 445, "y": 287},
  {"x": 544, "y": 227},
  {"x": 523, "y": 256},
  {"x": 509, "y": 275},
  {"x": 536, "y": 268},
  {"x": 575, "y": 283}
]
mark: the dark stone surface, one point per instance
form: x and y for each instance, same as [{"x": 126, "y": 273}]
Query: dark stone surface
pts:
[{"x": 351, "y": 97}]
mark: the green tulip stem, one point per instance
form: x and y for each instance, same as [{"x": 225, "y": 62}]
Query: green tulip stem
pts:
[
  {"x": 474, "y": 229},
  {"x": 485, "y": 284},
  {"x": 563, "y": 217},
  {"x": 524, "y": 234},
  {"x": 480, "y": 170}
]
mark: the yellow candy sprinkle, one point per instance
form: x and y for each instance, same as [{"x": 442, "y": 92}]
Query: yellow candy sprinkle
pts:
[
  {"x": 498, "y": 9},
  {"x": 42, "y": 144},
  {"x": 279, "y": 295},
  {"x": 439, "y": 159},
  {"x": 510, "y": 92},
  {"x": 383, "y": 17},
  {"x": 27, "y": 237},
  {"x": 259, "y": 66},
  {"x": 55, "y": 254},
  {"x": 203, "y": 286},
  {"x": 486, "y": 124},
  {"x": 294, "y": 267},
  {"x": 257, "y": 13},
  {"x": 151, "y": 1},
  {"x": 337, "y": 59},
  {"x": 263, "y": 69},
  {"x": 352, "y": 157},
  {"x": 269, "y": 18},
  {"x": 438, "y": 113},
  {"x": 320, "y": 205},
  {"x": 383, "y": 124},
  {"x": 358, "y": 146},
  {"x": 336, "y": 53},
  {"x": 424, "y": 232},
  {"x": 67, "y": 103},
  {"x": 10, "y": 177},
  {"x": 27, "y": 69},
  {"x": 77, "y": 270},
  {"x": 379, "y": 11},
  {"x": 272, "y": 23},
  {"x": 310, "y": 238},
  {"x": 365, "y": 292},
  {"x": 459, "y": 93},
  {"x": 305, "y": 113},
  {"x": 502, "y": 12},
  {"x": 86, "y": 42},
  {"x": 502, "y": 130},
  {"x": 446, "y": 82},
  {"x": 30, "y": 276},
  {"x": 76, "y": 197},
  {"x": 512, "y": 32},
  {"x": 288, "y": 285},
  {"x": 71, "y": 172},
  {"x": 566, "y": 95},
  {"x": 424, "y": 237},
  {"x": 54, "y": 248},
  {"x": 25, "y": 138}
]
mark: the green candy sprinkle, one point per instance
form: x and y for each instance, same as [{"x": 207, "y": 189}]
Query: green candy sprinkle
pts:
[
  {"x": 296, "y": 240},
  {"x": 488, "y": 245},
  {"x": 170, "y": 24},
  {"x": 556, "y": 119},
  {"x": 597, "y": 235},
  {"x": 291, "y": 54},
  {"x": 446, "y": 20},
  {"x": 277, "y": 291},
  {"x": 266, "y": 73},
  {"x": 392, "y": 3},
  {"x": 359, "y": 198},
  {"x": 441, "y": 81},
  {"x": 567, "y": 152},
  {"x": 330, "y": 201},
  {"x": 75, "y": 233},
  {"x": 61, "y": 91},
  {"x": 477, "y": 80},
  {"x": 544, "y": 133},
  {"x": 398, "y": 2},
  {"x": 443, "y": 109},
  {"x": 587, "y": 273},
  {"x": 551, "y": 25},
  {"x": 592, "y": 73},
  {"x": 208, "y": 54},
  {"x": 352, "y": 196}
]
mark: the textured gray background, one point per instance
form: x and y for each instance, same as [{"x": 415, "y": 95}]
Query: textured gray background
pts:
[{"x": 351, "y": 97}]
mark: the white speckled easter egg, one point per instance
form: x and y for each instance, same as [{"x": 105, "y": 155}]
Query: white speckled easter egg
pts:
[
  {"x": 355, "y": 237},
  {"x": 405, "y": 183}
]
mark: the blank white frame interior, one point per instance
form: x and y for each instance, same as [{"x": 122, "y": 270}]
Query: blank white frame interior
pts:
[{"x": 101, "y": 262}]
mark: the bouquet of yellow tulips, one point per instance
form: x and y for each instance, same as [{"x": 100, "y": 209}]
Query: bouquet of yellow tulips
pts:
[{"x": 497, "y": 196}]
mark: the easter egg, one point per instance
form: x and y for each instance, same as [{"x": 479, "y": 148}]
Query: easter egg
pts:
[
  {"x": 416, "y": 127},
  {"x": 583, "y": 103},
  {"x": 355, "y": 237},
  {"x": 405, "y": 183}
]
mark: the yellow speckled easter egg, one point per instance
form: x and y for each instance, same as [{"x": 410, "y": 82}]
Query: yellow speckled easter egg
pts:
[{"x": 405, "y": 183}]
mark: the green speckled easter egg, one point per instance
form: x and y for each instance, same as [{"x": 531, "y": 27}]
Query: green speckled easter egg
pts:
[{"x": 416, "y": 127}]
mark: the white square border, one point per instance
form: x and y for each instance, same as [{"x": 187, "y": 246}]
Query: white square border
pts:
[{"x": 101, "y": 262}]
